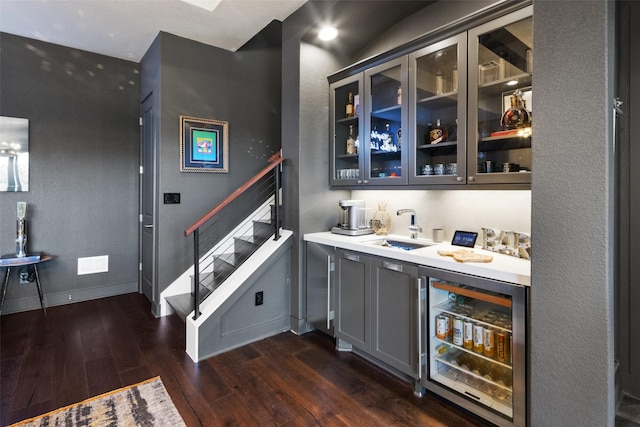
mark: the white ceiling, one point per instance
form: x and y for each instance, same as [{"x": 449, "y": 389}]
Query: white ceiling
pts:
[{"x": 126, "y": 28}]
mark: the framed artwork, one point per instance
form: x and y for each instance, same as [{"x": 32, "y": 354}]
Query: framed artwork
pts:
[{"x": 204, "y": 145}]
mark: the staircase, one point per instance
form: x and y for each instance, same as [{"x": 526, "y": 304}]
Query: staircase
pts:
[
  {"x": 223, "y": 265},
  {"x": 238, "y": 289}
]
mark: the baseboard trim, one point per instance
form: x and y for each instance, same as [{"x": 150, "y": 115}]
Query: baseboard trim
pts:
[{"x": 62, "y": 298}]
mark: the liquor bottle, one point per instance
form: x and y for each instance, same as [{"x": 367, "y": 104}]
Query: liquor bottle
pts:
[
  {"x": 399, "y": 100},
  {"x": 530, "y": 116},
  {"x": 349, "y": 108},
  {"x": 438, "y": 133},
  {"x": 516, "y": 115},
  {"x": 427, "y": 135},
  {"x": 351, "y": 142},
  {"x": 388, "y": 144}
]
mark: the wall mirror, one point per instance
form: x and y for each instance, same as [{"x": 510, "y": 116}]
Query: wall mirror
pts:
[{"x": 14, "y": 154}]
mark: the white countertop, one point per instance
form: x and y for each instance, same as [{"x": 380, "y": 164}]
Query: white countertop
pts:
[{"x": 503, "y": 267}]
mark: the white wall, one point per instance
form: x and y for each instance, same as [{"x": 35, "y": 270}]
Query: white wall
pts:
[{"x": 467, "y": 210}]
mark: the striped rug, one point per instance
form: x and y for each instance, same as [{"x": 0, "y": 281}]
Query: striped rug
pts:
[{"x": 146, "y": 404}]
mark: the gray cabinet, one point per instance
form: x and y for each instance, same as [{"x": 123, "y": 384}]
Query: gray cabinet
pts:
[
  {"x": 438, "y": 85},
  {"x": 368, "y": 110},
  {"x": 500, "y": 62},
  {"x": 378, "y": 309},
  {"x": 394, "y": 314},
  {"x": 441, "y": 108},
  {"x": 320, "y": 286},
  {"x": 353, "y": 308}
]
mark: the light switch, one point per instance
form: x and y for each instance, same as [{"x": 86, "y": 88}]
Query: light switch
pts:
[{"x": 171, "y": 198}]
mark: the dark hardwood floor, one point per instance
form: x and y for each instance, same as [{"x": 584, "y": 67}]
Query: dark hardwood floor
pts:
[{"x": 88, "y": 348}]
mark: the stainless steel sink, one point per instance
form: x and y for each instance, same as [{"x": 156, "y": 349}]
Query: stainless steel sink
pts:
[{"x": 399, "y": 244}]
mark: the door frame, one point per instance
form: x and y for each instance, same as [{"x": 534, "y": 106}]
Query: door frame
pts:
[{"x": 627, "y": 205}]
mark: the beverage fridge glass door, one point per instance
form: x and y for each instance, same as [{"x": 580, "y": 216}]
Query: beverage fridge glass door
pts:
[{"x": 475, "y": 337}]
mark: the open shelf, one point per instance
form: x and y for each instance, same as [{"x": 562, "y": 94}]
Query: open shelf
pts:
[
  {"x": 499, "y": 87},
  {"x": 475, "y": 388},
  {"x": 494, "y": 143},
  {"x": 482, "y": 296},
  {"x": 347, "y": 120},
  {"x": 449, "y": 99},
  {"x": 438, "y": 145}
]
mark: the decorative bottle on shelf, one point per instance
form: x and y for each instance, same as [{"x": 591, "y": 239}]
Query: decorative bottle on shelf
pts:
[
  {"x": 524, "y": 105},
  {"x": 349, "y": 108},
  {"x": 351, "y": 142},
  {"x": 381, "y": 220},
  {"x": 454, "y": 78},
  {"x": 516, "y": 115},
  {"x": 388, "y": 143},
  {"x": 21, "y": 231},
  {"x": 427, "y": 135},
  {"x": 439, "y": 83},
  {"x": 438, "y": 133}
]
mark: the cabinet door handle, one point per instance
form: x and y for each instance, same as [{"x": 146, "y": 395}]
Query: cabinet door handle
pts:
[
  {"x": 459, "y": 179},
  {"x": 421, "y": 283},
  {"x": 352, "y": 257},
  {"x": 328, "y": 291},
  {"x": 392, "y": 266},
  {"x": 472, "y": 178}
]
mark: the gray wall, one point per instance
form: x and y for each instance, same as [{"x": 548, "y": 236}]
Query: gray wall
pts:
[
  {"x": 84, "y": 142},
  {"x": 207, "y": 82},
  {"x": 311, "y": 206},
  {"x": 572, "y": 224}
]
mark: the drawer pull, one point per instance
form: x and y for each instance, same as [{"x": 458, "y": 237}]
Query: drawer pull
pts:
[
  {"x": 352, "y": 257},
  {"x": 392, "y": 266}
]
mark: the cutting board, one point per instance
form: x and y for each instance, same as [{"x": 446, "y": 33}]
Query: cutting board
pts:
[{"x": 465, "y": 255}]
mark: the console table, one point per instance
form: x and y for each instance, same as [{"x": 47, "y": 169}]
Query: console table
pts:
[{"x": 8, "y": 264}]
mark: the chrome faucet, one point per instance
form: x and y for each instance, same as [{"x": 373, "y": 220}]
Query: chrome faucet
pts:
[{"x": 414, "y": 229}]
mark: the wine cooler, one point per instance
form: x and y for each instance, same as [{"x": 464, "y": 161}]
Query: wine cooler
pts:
[{"x": 475, "y": 344}]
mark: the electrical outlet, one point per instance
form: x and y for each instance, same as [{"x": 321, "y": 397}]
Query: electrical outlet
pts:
[{"x": 259, "y": 298}]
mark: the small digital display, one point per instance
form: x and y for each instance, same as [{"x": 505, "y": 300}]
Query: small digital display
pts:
[{"x": 464, "y": 238}]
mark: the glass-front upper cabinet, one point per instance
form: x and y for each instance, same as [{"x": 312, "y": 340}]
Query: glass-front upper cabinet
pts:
[
  {"x": 385, "y": 145},
  {"x": 500, "y": 100},
  {"x": 438, "y": 85},
  {"x": 347, "y": 165}
]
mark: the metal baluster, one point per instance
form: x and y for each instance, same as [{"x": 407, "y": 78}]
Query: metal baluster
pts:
[
  {"x": 276, "y": 174},
  {"x": 196, "y": 275}
]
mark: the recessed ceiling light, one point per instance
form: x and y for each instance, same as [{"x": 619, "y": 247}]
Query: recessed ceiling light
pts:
[
  {"x": 512, "y": 82},
  {"x": 328, "y": 33}
]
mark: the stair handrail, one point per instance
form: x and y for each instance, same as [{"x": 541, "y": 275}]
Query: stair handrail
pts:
[{"x": 274, "y": 161}]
